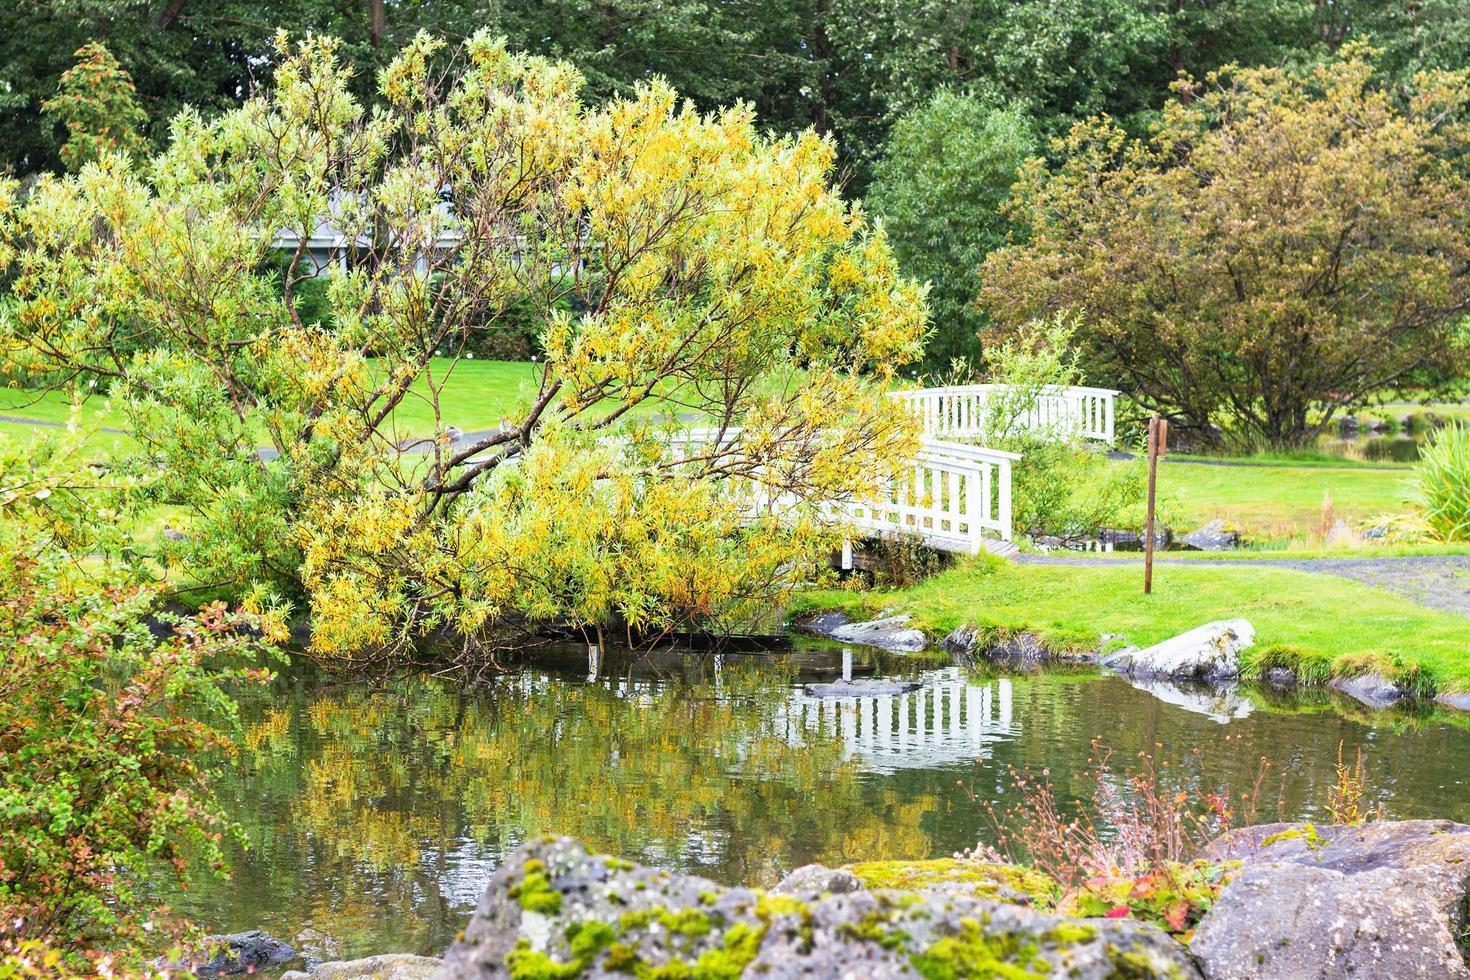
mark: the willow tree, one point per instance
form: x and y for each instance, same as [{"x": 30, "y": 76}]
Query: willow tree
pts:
[
  {"x": 1285, "y": 245},
  {"x": 681, "y": 264}
]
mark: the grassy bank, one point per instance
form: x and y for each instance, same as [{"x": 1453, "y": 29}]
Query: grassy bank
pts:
[{"x": 1319, "y": 625}]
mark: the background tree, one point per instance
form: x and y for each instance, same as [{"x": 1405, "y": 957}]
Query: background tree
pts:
[
  {"x": 710, "y": 267},
  {"x": 1285, "y": 244},
  {"x": 98, "y": 105},
  {"x": 940, "y": 188}
]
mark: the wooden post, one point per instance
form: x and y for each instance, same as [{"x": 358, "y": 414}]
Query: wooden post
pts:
[{"x": 1158, "y": 444}]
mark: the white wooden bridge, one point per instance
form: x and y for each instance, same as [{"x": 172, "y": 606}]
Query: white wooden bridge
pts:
[{"x": 957, "y": 496}]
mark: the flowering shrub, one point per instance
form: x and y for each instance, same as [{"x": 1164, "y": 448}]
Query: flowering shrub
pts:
[
  {"x": 1133, "y": 853},
  {"x": 107, "y": 730}
]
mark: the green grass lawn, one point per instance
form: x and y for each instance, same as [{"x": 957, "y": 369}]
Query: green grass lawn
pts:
[
  {"x": 472, "y": 395},
  {"x": 1319, "y": 625},
  {"x": 1292, "y": 502}
]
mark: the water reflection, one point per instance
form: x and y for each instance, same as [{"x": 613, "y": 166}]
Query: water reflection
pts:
[{"x": 379, "y": 811}]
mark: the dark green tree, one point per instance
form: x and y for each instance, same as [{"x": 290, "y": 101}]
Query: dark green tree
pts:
[{"x": 940, "y": 188}]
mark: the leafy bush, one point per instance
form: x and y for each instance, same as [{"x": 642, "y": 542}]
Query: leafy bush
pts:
[
  {"x": 106, "y": 729},
  {"x": 1444, "y": 483}
]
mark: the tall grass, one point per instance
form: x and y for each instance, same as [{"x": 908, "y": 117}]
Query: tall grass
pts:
[{"x": 1444, "y": 482}]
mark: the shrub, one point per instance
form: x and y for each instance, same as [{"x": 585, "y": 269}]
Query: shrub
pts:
[
  {"x": 107, "y": 731},
  {"x": 1133, "y": 850},
  {"x": 1444, "y": 483}
]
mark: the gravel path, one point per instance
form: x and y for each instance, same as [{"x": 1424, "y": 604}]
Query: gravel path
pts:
[{"x": 1437, "y": 581}]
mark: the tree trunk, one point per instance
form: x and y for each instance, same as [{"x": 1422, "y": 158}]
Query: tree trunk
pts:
[{"x": 377, "y": 21}]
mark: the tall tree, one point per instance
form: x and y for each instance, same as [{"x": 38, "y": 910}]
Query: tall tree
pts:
[
  {"x": 1286, "y": 244},
  {"x": 711, "y": 267}
]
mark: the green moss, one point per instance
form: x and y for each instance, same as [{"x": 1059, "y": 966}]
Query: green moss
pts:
[
  {"x": 1068, "y": 934},
  {"x": 986, "y": 878},
  {"x": 590, "y": 939},
  {"x": 1306, "y": 833},
  {"x": 621, "y": 958},
  {"x": 690, "y": 922},
  {"x": 525, "y": 963},
  {"x": 1124, "y": 965},
  {"x": 770, "y": 906},
  {"x": 534, "y": 891},
  {"x": 973, "y": 953},
  {"x": 618, "y": 864},
  {"x": 738, "y": 947},
  {"x": 876, "y": 927},
  {"x": 635, "y": 919}
]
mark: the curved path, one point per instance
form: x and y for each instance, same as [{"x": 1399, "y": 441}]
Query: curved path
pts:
[{"x": 1437, "y": 581}]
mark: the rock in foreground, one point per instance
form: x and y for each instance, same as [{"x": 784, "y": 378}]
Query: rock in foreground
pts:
[
  {"x": 1209, "y": 653},
  {"x": 1383, "y": 899},
  {"x": 388, "y": 966},
  {"x": 555, "y": 910}
]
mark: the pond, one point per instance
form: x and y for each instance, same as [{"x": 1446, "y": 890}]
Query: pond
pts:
[{"x": 379, "y": 810}]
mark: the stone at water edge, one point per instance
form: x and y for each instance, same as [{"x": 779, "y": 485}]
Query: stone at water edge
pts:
[
  {"x": 388, "y": 966},
  {"x": 888, "y": 633},
  {"x": 238, "y": 952},
  {"x": 553, "y": 908},
  {"x": 1460, "y": 702},
  {"x": 1212, "y": 537},
  {"x": 1209, "y": 653},
  {"x": 1383, "y": 900},
  {"x": 1373, "y": 690},
  {"x": 1023, "y": 652}
]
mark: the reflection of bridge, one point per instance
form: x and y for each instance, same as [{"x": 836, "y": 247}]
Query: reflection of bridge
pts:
[
  {"x": 950, "y": 720},
  {"x": 956, "y": 493}
]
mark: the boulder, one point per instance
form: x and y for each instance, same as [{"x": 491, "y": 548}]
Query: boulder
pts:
[
  {"x": 862, "y": 688},
  {"x": 238, "y": 952},
  {"x": 1373, "y": 690},
  {"x": 555, "y": 909},
  {"x": 1209, "y": 653},
  {"x": 1212, "y": 537},
  {"x": 888, "y": 633},
  {"x": 1384, "y": 899},
  {"x": 388, "y": 966}
]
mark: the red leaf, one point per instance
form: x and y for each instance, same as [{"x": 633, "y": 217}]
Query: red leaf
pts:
[{"x": 1117, "y": 912}]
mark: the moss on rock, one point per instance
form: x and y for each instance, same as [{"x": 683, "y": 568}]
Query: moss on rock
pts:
[{"x": 982, "y": 879}]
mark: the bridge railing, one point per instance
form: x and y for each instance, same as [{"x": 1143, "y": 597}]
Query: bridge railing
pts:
[
  {"x": 963, "y": 411},
  {"x": 952, "y": 494}
]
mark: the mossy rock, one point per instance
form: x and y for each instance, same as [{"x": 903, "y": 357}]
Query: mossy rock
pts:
[
  {"x": 611, "y": 919},
  {"x": 955, "y": 876}
]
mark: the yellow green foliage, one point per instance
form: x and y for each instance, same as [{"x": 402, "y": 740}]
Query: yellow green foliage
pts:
[{"x": 713, "y": 270}]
